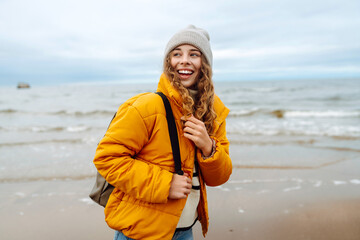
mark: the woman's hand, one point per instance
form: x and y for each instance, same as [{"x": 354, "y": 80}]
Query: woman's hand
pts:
[
  {"x": 195, "y": 130},
  {"x": 180, "y": 186}
]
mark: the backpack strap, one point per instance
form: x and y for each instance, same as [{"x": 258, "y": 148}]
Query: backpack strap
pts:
[{"x": 173, "y": 133}]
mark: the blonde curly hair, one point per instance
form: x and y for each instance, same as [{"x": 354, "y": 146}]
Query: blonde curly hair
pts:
[{"x": 203, "y": 106}]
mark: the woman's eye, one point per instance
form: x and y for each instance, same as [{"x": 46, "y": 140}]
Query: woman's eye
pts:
[
  {"x": 176, "y": 54},
  {"x": 195, "y": 54}
]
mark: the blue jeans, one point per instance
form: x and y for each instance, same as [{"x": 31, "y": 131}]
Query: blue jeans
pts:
[
  {"x": 183, "y": 235},
  {"x": 179, "y": 235}
]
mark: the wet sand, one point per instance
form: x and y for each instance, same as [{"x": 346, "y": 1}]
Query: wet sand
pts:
[
  {"x": 262, "y": 202},
  {"x": 331, "y": 220},
  {"x": 291, "y": 197},
  {"x": 280, "y": 208}
]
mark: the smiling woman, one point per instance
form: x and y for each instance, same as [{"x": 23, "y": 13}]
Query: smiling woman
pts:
[{"x": 150, "y": 200}]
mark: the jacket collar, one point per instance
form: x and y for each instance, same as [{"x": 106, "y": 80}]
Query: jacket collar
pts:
[{"x": 166, "y": 87}]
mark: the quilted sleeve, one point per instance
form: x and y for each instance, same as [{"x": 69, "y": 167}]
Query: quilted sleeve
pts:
[{"x": 116, "y": 162}]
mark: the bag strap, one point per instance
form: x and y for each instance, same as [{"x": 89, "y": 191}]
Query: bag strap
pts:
[{"x": 173, "y": 133}]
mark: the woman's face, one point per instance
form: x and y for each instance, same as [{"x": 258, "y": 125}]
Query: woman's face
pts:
[{"x": 186, "y": 61}]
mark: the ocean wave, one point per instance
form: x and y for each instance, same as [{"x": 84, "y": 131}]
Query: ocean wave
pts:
[
  {"x": 322, "y": 114},
  {"x": 307, "y": 143},
  {"x": 77, "y": 128},
  {"x": 281, "y": 113},
  {"x": 252, "y": 89},
  {"x": 272, "y": 142},
  {"x": 342, "y": 149},
  {"x": 46, "y": 178},
  {"x": 83, "y": 114},
  {"x": 7, "y": 111},
  {"x": 262, "y": 90},
  {"x": 42, "y": 129},
  {"x": 334, "y": 99},
  {"x": 45, "y": 129},
  {"x": 336, "y": 132},
  {"x": 16, "y": 144},
  {"x": 60, "y": 112},
  {"x": 244, "y": 113}
]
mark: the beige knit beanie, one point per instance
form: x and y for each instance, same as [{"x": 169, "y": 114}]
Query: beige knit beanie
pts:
[{"x": 192, "y": 35}]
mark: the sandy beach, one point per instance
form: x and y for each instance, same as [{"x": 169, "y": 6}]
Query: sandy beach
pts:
[{"x": 257, "y": 202}]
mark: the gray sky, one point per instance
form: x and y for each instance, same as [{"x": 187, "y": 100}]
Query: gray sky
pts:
[{"x": 51, "y": 42}]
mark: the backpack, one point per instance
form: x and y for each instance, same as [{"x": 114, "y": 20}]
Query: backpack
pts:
[{"x": 102, "y": 189}]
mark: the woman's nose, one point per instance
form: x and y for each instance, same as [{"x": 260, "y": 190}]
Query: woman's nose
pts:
[{"x": 185, "y": 59}]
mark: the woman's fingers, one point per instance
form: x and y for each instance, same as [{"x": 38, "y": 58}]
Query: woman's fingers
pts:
[
  {"x": 191, "y": 124},
  {"x": 180, "y": 186},
  {"x": 191, "y": 119},
  {"x": 192, "y": 137},
  {"x": 191, "y": 131},
  {"x": 195, "y": 130}
]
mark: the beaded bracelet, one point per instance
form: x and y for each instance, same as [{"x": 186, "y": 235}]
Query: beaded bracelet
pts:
[{"x": 212, "y": 151}]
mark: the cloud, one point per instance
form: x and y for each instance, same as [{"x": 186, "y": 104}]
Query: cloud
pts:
[
  {"x": 78, "y": 40},
  {"x": 270, "y": 51}
]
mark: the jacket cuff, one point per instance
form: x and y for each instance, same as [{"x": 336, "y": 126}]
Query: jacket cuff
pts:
[{"x": 212, "y": 151}]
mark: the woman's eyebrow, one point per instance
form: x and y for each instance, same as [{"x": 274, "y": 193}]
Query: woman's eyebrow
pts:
[{"x": 191, "y": 50}]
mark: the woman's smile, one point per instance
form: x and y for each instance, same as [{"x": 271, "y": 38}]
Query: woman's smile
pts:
[{"x": 185, "y": 73}]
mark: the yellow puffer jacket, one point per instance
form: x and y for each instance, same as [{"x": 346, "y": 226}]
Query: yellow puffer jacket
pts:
[{"x": 135, "y": 156}]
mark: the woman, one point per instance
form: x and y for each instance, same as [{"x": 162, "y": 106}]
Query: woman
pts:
[{"x": 149, "y": 200}]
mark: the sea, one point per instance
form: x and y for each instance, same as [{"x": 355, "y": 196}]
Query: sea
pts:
[{"x": 51, "y": 132}]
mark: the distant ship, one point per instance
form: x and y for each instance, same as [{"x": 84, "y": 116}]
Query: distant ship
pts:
[{"x": 23, "y": 85}]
